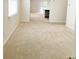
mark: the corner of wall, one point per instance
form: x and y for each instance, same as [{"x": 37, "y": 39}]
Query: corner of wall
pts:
[
  {"x": 12, "y": 24},
  {"x": 9, "y": 36}
]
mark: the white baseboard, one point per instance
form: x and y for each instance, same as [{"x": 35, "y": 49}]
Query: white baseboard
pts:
[
  {"x": 9, "y": 35},
  {"x": 57, "y": 21},
  {"x": 70, "y": 27},
  {"x": 24, "y": 21}
]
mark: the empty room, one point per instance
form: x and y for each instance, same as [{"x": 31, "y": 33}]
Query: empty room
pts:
[{"x": 39, "y": 29}]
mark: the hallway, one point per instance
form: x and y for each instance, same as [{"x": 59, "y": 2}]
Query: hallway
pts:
[
  {"x": 38, "y": 17},
  {"x": 40, "y": 40}
]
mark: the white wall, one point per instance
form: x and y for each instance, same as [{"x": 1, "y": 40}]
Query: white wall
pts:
[
  {"x": 71, "y": 18},
  {"x": 71, "y": 14},
  {"x": 58, "y": 10},
  {"x": 35, "y": 6},
  {"x": 9, "y": 24},
  {"x": 25, "y": 10}
]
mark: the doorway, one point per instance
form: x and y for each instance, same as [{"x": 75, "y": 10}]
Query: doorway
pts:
[{"x": 37, "y": 10}]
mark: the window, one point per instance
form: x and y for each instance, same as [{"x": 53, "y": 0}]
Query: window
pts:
[
  {"x": 43, "y": 6},
  {"x": 12, "y": 9}
]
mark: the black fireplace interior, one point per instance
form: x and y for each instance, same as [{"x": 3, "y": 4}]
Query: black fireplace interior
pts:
[{"x": 47, "y": 13}]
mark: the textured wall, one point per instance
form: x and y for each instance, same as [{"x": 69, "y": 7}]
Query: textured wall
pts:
[
  {"x": 71, "y": 14},
  {"x": 35, "y": 5},
  {"x": 58, "y": 10},
  {"x": 10, "y": 23}
]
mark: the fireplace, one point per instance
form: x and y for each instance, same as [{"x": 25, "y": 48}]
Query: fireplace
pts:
[{"x": 47, "y": 13}]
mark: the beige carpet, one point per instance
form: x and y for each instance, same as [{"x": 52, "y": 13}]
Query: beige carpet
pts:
[
  {"x": 40, "y": 40},
  {"x": 38, "y": 17}
]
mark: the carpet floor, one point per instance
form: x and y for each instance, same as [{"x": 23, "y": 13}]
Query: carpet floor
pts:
[{"x": 40, "y": 40}]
